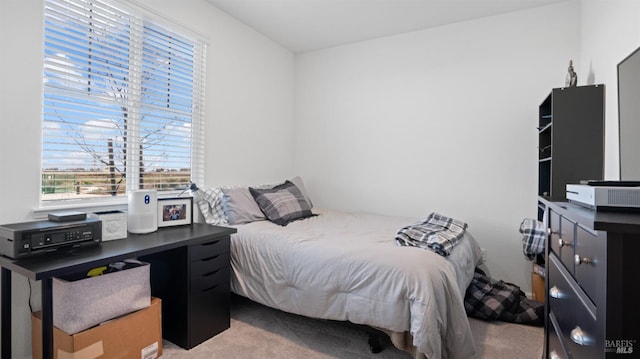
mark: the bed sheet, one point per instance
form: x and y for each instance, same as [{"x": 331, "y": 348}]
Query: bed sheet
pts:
[{"x": 346, "y": 266}]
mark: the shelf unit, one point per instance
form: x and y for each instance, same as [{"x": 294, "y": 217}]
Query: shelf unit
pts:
[{"x": 570, "y": 138}]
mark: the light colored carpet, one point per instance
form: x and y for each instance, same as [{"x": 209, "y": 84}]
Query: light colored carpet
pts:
[{"x": 261, "y": 332}]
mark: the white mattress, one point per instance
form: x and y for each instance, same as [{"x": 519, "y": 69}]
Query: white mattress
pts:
[{"x": 347, "y": 266}]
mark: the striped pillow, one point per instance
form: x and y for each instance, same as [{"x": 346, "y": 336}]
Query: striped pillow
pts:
[
  {"x": 282, "y": 204},
  {"x": 209, "y": 201}
]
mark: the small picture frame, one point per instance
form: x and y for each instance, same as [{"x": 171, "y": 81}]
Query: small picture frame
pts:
[{"x": 175, "y": 211}]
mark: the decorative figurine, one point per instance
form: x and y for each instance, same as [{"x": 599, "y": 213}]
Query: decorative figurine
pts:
[{"x": 572, "y": 77}]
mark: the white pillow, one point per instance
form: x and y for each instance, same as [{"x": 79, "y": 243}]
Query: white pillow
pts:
[
  {"x": 298, "y": 182},
  {"x": 240, "y": 207}
]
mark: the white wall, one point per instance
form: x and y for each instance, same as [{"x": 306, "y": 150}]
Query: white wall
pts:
[
  {"x": 249, "y": 113},
  {"x": 20, "y": 118},
  {"x": 440, "y": 120},
  {"x": 610, "y": 32}
]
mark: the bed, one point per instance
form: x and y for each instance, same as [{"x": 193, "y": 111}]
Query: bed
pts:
[{"x": 347, "y": 266}]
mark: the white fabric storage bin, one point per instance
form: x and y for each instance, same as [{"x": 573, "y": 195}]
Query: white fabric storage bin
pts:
[{"x": 82, "y": 304}]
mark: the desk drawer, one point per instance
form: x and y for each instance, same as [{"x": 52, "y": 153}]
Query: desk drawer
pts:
[
  {"x": 587, "y": 262},
  {"x": 209, "y": 280},
  {"x": 209, "y": 314},
  {"x": 209, "y": 249},
  {"x": 574, "y": 313},
  {"x": 209, "y": 264}
]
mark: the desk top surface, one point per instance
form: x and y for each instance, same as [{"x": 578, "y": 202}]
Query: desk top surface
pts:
[{"x": 62, "y": 262}]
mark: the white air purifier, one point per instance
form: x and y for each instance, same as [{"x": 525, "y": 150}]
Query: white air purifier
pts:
[{"x": 142, "y": 216}]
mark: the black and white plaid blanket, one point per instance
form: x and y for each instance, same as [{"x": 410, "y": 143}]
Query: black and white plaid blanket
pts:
[
  {"x": 437, "y": 233},
  {"x": 497, "y": 300},
  {"x": 534, "y": 235}
]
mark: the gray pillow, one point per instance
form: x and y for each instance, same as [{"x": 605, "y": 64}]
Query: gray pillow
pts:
[
  {"x": 240, "y": 207},
  {"x": 282, "y": 204}
]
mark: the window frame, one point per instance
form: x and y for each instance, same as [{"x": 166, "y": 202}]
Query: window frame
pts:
[{"x": 143, "y": 16}]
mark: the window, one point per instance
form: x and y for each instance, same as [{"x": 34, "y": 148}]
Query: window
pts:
[{"x": 122, "y": 103}]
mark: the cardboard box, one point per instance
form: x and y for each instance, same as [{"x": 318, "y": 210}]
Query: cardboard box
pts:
[
  {"x": 537, "y": 268},
  {"x": 537, "y": 287},
  {"x": 136, "y": 335},
  {"x": 114, "y": 224},
  {"x": 81, "y": 304}
]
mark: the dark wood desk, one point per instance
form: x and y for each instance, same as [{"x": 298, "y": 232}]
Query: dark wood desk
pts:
[{"x": 45, "y": 267}]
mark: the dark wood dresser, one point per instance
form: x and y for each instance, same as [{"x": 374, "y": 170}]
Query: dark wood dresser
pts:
[{"x": 592, "y": 302}]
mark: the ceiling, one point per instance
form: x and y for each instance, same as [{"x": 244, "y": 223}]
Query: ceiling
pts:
[{"x": 307, "y": 25}]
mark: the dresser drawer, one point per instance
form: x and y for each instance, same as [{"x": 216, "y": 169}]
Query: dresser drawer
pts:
[
  {"x": 566, "y": 242},
  {"x": 574, "y": 313},
  {"x": 586, "y": 261},
  {"x": 555, "y": 347},
  {"x": 554, "y": 227},
  {"x": 209, "y": 249},
  {"x": 562, "y": 239}
]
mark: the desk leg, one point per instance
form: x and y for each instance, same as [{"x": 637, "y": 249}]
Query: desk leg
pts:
[
  {"x": 5, "y": 302},
  {"x": 47, "y": 319}
]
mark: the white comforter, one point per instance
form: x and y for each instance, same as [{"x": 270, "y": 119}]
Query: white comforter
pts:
[{"x": 347, "y": 266}]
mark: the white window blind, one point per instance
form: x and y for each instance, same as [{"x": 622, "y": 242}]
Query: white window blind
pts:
[{"x": 122, "y": 103}]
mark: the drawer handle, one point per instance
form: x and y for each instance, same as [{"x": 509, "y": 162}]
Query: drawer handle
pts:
[
  {"x": 210, "y": 243},
  {"x": 580, "y": 260},
  {"x": 210, "y": 258},
  {"x": 554, "y": 355},
  {"x": 210, "y": 288},
  {"x": 580, "y": 337},
  {"x": 556, "y": 293},
  {"x": 563, "y": 243},
  {"x": 211, "y": 273}
]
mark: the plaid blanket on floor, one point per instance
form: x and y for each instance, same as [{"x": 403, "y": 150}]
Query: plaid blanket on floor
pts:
[
  {"x": 497, "y": 300},
  {"x": 437, "y": 233},
  {"x": 534, "y": 235}
]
